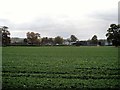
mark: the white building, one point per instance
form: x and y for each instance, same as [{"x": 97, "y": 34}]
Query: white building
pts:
[{"x": 17, "y": 40}]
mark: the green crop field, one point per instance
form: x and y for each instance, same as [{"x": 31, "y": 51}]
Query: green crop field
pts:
[{"x": 60, "y": 67}]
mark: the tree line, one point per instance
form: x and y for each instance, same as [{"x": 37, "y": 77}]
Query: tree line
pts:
[{"x": 32, "y": 38}]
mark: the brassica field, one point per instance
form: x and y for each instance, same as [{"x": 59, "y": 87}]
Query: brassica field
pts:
[{"x": 60, "y": 67}]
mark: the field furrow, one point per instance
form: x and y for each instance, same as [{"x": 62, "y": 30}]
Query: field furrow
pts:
[{"x": 60, "y": 67}]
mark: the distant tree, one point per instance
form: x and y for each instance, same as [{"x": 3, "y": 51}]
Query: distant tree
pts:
[
  {"x": 25, "y": 41},
  {"x": 94, "y": 40},
  {"x": 33, "y": 38},
  {"x": 44, "y": 40},
  {"x": 73, "y": 38},
  {"x": 5, "y": 36},
  {"x": 58, "y": 40},
  {"x": 99, "y": 43},
  {"x": 113, "y": 34},
  {"x": 68, "y": 40},
  {"x": 51, "y": 41},
  {"x": 47, "y": 41}
]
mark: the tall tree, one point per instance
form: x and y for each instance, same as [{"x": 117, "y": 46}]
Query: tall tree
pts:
[
  {"x": 58, "y": 40},
  {"x": 113, "y": 34},
  {"x": 33, "y": 38},
  {"x": 94, "y": 40},
  {"x": 5, "y": 36},
  {"x": 73, "y": 38}
]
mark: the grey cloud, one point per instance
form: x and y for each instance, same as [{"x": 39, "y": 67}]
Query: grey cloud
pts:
[
  {"x": 42, "y": 24},
  {"x": 5, "y": 22},
  {"x": 48, "y": 26},
  {"x": 109, "y": 16},
  {"x": 52, "y": 27}
]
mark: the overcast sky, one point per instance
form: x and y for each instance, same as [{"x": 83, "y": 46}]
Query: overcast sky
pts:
[{"x": 82, "y": 18}]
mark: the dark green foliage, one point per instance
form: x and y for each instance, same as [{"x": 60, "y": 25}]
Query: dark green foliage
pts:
[
  {"x": 73, "y": 38},
  {"x": 113, "y": 34},
  {"x": 58, "y": 40},
  {"x": 47, "y": 41},
  {"x": 25, "y": 41},
  {"x": 5, "y": 36},
  {"x": 94, "y": 40}
]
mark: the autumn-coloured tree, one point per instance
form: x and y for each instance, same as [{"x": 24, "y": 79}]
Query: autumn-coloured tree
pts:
[{"x": 33, "y": 38}]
